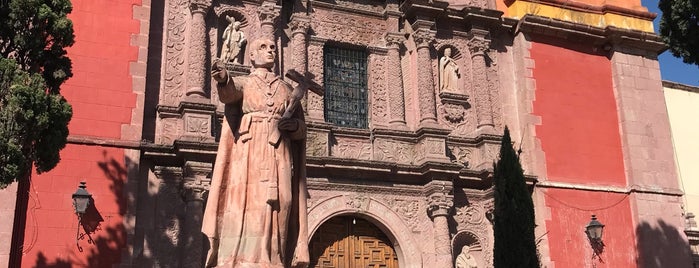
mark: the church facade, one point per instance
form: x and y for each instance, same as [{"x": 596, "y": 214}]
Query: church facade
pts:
[{"x": 400, "y": 147}]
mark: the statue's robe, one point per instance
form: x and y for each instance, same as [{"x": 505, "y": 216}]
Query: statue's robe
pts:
[{"x": 245, "y": 229}]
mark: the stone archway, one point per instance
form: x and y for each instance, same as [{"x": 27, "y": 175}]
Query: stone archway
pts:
[{"x": 376, "y": 212}]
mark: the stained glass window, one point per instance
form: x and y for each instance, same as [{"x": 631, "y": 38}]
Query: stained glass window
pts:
[{"x": 345, "y": 82}]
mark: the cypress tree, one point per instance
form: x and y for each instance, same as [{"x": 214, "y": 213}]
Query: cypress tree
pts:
[{"x": 515, "y": 244}]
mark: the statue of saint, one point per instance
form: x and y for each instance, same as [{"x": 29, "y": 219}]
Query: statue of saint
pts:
[
  {"x": 233, "y": 41},
  {"x": 465, "y": 259},
  {"x": 448, "y": 73},
  {"x": 255, "y": 215}
]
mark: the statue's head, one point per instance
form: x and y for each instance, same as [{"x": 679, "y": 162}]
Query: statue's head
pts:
[
  {"x": 236, "y": 25},
  {"x": 447, "y": 52},
  {"x": 263, "y": 51}
]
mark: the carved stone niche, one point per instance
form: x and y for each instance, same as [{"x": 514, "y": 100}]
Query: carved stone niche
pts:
[
  {"x": 477, "y": 251},
  {"x": 454, "y": 106}
]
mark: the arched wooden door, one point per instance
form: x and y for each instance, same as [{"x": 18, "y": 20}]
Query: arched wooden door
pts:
[{"x": 348, "y": 242}]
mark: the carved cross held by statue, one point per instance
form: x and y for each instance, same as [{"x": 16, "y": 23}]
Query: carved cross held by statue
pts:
[{"x": 305, "y": 84}]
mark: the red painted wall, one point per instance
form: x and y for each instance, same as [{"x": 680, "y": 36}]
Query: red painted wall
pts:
[
  {"x": 579, "y": 124},
  {"x": 102, "y": 98},
  {"x": 579, "y": 134}
]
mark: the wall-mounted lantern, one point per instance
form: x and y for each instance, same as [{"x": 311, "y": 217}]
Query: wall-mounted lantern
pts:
[
  {"x": 594, "y": 231},
  {"x": 81, "y": 200}
]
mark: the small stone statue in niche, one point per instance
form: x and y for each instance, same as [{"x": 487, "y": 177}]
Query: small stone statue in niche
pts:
[
  {"x": 448, "y": 73},
  {"x": 233, "y": 41},
  {"x": 465, "y": 259}
]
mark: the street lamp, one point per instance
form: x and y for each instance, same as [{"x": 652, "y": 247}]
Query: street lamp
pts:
[
  {"x": 594, "y": 231},
  {"x": 81, "y": 200}
]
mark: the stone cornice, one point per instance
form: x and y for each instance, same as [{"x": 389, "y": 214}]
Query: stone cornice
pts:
[
  {"x": 608, "y": 188},
  {"x": 606, "y": 38},
  {"x": 678, "y": 86},
  {"x": 603, "y": 9}
]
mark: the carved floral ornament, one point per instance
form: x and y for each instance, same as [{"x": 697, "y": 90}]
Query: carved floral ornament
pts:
[
  {"x": 394, "y": 39},
  {"x": 423, "y": 37},
  {"x": 478, "y": 46},
  {"x": 299, "y": 25},
  {"x": 268, "y": 12}
]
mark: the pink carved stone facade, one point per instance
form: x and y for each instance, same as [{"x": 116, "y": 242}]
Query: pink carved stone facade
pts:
[{"x": 584, "y": 104}]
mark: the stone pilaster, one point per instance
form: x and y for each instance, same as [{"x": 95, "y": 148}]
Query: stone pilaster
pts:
[
  {"x": 394, "y": 80},
  {"x": 196, "y": 75},
  {"x": 195, "y": 184},
  {"x": 440, "y": 204},
  {"x": 268, "y": 14},
  {"x": 479, "y": 45},
  {"x": 423, "y": 38}
]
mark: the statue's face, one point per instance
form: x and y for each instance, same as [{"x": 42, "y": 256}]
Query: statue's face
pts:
[
  {"x": 263, "y": 53},
  {"x": 447, "y": 52},
  {"x": 236, "y": 25}
]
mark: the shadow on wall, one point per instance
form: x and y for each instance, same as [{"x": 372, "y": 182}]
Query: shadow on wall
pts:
[
  {"x": 661, "y": 246},
  {"x": 103, "y": 244}
]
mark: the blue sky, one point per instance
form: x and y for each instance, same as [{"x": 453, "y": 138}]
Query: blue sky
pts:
[{"x": 671, "y": 68}]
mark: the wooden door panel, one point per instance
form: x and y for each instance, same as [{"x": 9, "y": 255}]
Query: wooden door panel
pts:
[{"x": 346, "y": 242}]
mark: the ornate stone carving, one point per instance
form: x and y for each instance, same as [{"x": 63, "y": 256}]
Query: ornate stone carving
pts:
[
  {"x": 315, "y": 66},
  {"x": 233, "y": 41},
  {"x": 423, "y": 38},
  {"x": 317, "y": 144},
  {"x": 377, "y": 87},
  {"x": 197, "y": 48},
  {"x": 470, "y": 215},
  {"x": 299, "y": 24},
  {"x": 173, "y": 88},
  {"x": 460, "y": 155},
  {"x": 347, "y": 28},
  {"x": 197, "y": 124},
  {"x": 408, "y": 210},
  {"x": 426, "y": 94},
  {"x": 392, "y": 151},
  {"x": 351, "y": 149},
  {"x": 484, "y": 111},
  {"x": 268, "y": 13},
  {"x": 358, "y": 202}
]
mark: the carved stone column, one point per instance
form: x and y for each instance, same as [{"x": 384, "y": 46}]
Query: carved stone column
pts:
[
  {"x": 440, "y": 206},
  {"x": 268, "y": 14},
  {"x": 394, "y": 80},
  {"x": 479, "y": 46},
  {"x": 196, "y": 74},
  {"x": 195, "y": 184},
  {"x": 425, "y": 80},
  {"x": 299, "y": 29}
]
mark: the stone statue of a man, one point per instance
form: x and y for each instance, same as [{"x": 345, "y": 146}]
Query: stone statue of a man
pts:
[
  {"x": 448, "y": 73},
  {"x": 465, "y": 259},
  {"x": 256, "y": 210},
  {"x": 233, "y": 41}
]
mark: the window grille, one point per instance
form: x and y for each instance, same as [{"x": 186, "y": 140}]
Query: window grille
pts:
[{"x": 345, "y": 82}]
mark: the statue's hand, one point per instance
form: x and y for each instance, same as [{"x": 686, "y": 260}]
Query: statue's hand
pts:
[
  {"x": 288, "y": 124},
  {"x": 219, "y": 73}
]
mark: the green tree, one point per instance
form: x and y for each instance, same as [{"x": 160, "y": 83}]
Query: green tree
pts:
[
  {"x": 679, "y": 27},
  {"x": 515, "y": 244},
  {"x": 33, "y": 64}
]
